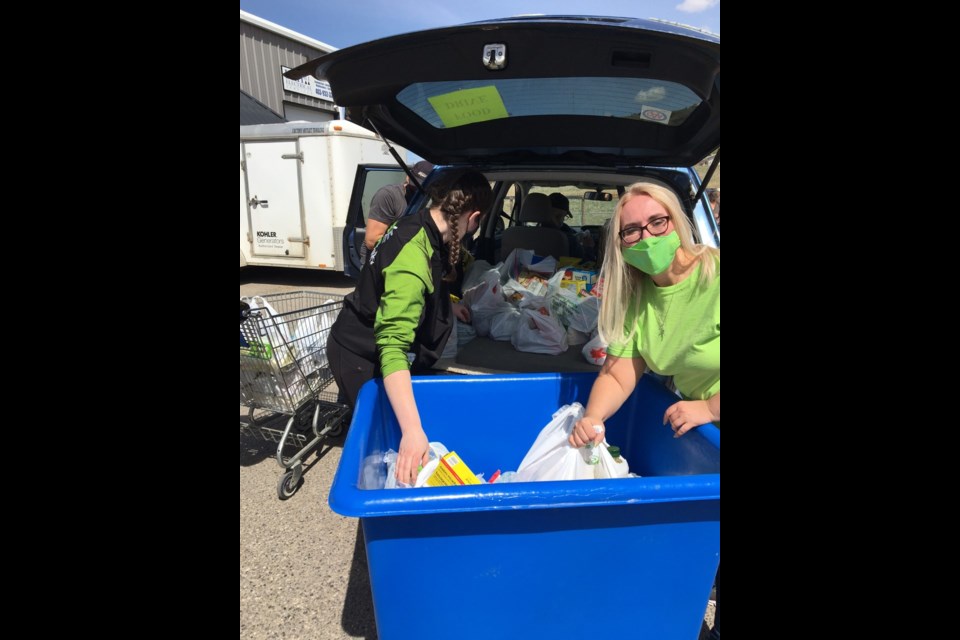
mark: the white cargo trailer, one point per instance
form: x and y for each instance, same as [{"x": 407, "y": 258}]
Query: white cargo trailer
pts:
[{"x": 300, "y": 184}]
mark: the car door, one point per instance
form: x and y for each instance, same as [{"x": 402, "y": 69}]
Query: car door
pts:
[{"x": 369, "y": 179}]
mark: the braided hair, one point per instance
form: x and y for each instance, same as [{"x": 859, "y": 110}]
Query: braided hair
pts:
[{"x": 460, "y": 192}]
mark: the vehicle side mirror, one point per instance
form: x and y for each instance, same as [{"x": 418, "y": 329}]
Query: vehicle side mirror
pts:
[{"x": 603, "y": 196}]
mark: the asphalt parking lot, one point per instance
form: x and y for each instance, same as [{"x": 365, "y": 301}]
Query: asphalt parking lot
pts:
[{"x": 303, "y": 569}]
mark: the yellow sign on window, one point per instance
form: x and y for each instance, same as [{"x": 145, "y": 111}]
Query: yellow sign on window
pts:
[{"x": 469, "y": 106}]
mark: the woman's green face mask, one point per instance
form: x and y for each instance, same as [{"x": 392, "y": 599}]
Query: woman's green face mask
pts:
[{"x": 654, "y": 254}]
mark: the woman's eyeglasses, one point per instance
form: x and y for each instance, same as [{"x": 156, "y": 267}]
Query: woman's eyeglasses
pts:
[{"x": 656, "y": 227}]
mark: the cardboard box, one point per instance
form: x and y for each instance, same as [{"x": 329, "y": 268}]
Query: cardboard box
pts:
[
  {"x": 451, "y": 471},
  {"x": 587, "y": 275},
  {"x": 580, "y": 287}
]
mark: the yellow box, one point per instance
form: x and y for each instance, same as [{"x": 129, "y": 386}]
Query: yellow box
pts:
[
  {"x": 577, "y": 286},
  {"x": 451, "y": 471}
]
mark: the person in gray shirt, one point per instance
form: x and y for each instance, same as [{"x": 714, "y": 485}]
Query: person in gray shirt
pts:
[{"x": 388, "y": 204}]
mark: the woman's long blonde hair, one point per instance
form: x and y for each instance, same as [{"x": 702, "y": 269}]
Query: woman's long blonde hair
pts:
[{"x": 623, "y": 284}]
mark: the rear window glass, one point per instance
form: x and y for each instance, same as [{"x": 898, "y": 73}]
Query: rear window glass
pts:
[{"x": 456, "y": 103}]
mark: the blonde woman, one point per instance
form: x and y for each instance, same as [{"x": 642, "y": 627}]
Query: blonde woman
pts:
[{"x": 660, "y": 309}]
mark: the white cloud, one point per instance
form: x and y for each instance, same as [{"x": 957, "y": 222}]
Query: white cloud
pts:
[
  {"x": 696, "y": 6},
  {"x": 653, "y": 94}
]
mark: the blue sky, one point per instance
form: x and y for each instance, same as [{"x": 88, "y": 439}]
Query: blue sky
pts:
[{"x": 342, "y": 23}]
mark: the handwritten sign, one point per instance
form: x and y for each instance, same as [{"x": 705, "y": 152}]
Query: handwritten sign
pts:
[{"x": 469, "y": 106}]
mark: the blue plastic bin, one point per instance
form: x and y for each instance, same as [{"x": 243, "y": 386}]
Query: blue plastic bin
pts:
[{"x": 521, "y": 559}]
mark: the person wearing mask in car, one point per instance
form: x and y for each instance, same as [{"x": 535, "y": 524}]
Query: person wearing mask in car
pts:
[
  {"x": 388, "y": 204},
  {"x": 561, "y": 209},
  {"x": 401, "y": 306},
  {"x": 660, "y": 310}
]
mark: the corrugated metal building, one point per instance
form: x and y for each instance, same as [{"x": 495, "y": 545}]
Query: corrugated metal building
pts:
[{"x": 266, "y": 51}]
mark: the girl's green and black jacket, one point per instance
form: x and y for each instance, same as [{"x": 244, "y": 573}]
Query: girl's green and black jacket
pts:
[{"x": 401, "y": 304}]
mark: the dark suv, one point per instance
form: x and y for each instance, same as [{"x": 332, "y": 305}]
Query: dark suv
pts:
[{"x": 582, "y": 106}]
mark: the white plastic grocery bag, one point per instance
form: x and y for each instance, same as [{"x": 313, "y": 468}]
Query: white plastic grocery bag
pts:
[
  {"x": 485, "y": 300},
  {"x": 504, "y": 324},
  {"x": 274, "y": 331},
  {"x": 538, "y": 333},
  {"x": 524, "y": 259},
  {"x": 474, "y": 273},
  {"x": 608, "y": 467},
  {"x": 552, "y": 457},
  {"x": 584, "y": 315},
  {"x": 308, "y": 339},
  {"x": 515, "y": 293},
  {"x": 562, "y": 302},
  {"x": 595, "y": 351}
]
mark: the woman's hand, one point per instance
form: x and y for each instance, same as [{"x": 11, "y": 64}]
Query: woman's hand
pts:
[
  {"x": 462, "y": 312},
  {"x": 686, "y": 415},
  {"x": 414, "y": 450},
  {"x": 588, "y": 429}
]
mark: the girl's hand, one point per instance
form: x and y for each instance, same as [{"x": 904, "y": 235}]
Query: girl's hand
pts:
[
  {"x": 462, "y": 312},
  {"x": 413, "y": 452}
]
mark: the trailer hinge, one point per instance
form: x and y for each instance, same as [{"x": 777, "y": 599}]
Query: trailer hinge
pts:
[
  {"x": 293, "y": 156},
  {"x": 243, "y": 165}
]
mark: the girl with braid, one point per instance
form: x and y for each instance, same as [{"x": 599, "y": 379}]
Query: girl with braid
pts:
[{"x": 397, "y": 321}]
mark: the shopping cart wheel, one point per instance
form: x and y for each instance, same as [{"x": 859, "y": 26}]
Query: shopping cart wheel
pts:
[
  {"x": 289, "y": 483},
  {"x": 336, "y": 430},
  {"x": 305, "y": 416},
  {"x": 340, "y": 424}
]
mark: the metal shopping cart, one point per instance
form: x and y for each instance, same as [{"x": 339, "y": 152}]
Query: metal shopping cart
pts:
[{"x": 284, "y": 369}]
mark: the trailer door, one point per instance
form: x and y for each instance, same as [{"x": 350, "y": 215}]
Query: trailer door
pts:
[{"x": 274, "y": 198}]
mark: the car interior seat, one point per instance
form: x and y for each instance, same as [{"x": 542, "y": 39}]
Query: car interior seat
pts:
[{"x": 544, "y": 241}]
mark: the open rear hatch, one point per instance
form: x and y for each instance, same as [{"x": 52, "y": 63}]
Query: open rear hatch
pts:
[{"x": 525, "y": 91}]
